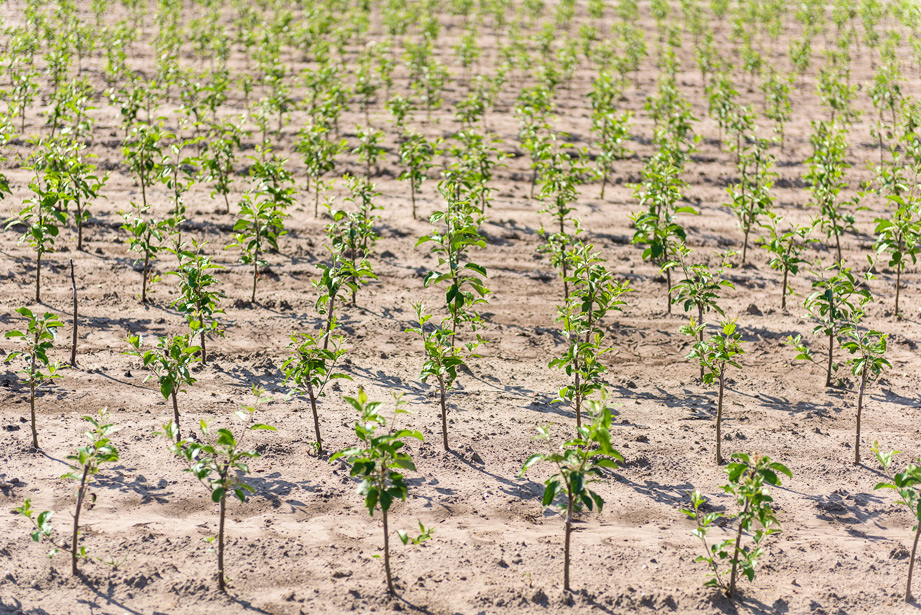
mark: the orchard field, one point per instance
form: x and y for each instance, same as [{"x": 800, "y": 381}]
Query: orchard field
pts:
[{"x": 636, "y": 226}]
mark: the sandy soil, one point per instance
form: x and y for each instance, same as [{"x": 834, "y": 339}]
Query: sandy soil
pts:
[{"x": 304, "y": 543}]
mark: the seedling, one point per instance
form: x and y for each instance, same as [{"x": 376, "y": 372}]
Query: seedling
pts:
[
  {"x": 85, "y": 465},
  {"x": 256, "y": 231},
  {"x": 579, "y": 463},
  {"x": 834, "y": 303},
  {"x": 595, "y": 294},
  {"x": 868, "y": 349},
  {"x": 714, "y": 355},
  {"x": 169, "y": 362},
  {"x": 219, "y": 464},
  {"x": 442, "y": 359},
  {"x": 464, "y": 279},
  {"x": 36, "y": 341},
  {"x": 146, "y": 235},
  {"x": 369, "y": 149},
  {"x": 378, "y": 461},
  {"x": 310, "y": 368},
  {"x": 826, "y": 180},
  {"x": 42, "y": 524},
  {"x": 416, "y": 156},
  {"x": 907, "y": 485},
  {"x": 217, "y": 159},
  {"x": 701, "y": 288},
  {"x": 748, "y": 481},
  {"x": 42, "y": 216},
  {"x": 198, "y": 294},
  {"x": 143, "y": 153},
  {"x": 900, "y": 237},
  {"x": 786, "y": 249},
  {"x": 319, "y": 153}
]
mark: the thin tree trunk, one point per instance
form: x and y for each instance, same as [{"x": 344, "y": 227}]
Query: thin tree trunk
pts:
[
  {"x": 444, "y": 415},
  {"x": 329, "y": 321},
  {"x": 566, "y": 542},
  {"x": 79, "y": 227},
  {"x": 783, "y": 291},
  {"x": 220, "y": 546},
  {"x": 898, "y": 284},
  {"x": 316, "y": 416},
  {"x": 144, "y": 274},
  {"x": 390, "y": 588},
  {"x": 73, "y": 343},
  {"x": 719, "y": 416},
  {"x": 735, "y": 555},
  {"x": 831, "y": 347},
  {"x": 38, "y": 275},
  {"x": 175, "y": 412},
  {"x": 863, "y": 384},
  {"x": 32, "y": 407},
  {"x": 911, "y": 563},
  {"x": 81, "y": 492},
  {"x": 412, "y": 193}
]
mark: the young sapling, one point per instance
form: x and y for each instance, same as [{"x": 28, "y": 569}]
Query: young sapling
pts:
[
  {"x": 579, "y": 462},
  {"x": 749, "y": 479},
  {"x": 715, "y": 354},
  {"x": 219, "y": 463},
  {"x": 170, "y": 363},
  {"x": 379, "y": 461},
  {"x": 907, "y": 485},
  {"x": 311, "y": 367},
  {"x": 84, "y": 466},
  {"x": 36, "y": 340}
]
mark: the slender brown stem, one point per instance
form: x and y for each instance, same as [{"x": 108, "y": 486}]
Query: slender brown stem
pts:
[
  {"x": 735, "y": 553},
  {"x": 175, "y": 412},
  {"x": 863, "y": 384},
  {"x": 73, "y": 343},
  {"x": 81, "y": 492},
  {"x": 316, "y": 415},
  {"x": 566, "y": 542},
  {"x": 444, "y": 414},
  {"x": 911, "y": 563},
  {"x": 390, "y": 587},
  {"x": 719, "y": 416},
  {"x": 220, "y": 546}
]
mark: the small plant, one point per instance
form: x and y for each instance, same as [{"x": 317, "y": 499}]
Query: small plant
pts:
[
  {"x": 786, "y": 250},
  {"x": 416, "y": 155},
  {"x": 218, "y": 157},
  {"x": 219, "y": 464},
  {"x": 42, "y": 216},
  {"x": 145, "y": 236},
  {"x": 379, "y": 461},
  {"x": 198, "y": 296},
  {"x": 85, "y": 465},
  {"x": 868, "y": 350},
  {"x": 900, "y": 237},
  {"x": 907, "y": 485},
  {"x": 36, "y": 340},
  {"x": 442, "y": 359},
  {"x": 748, "y": 481},
  {"x": 579, "y": 462},
  {"x": 715, "y": 354},
  {"x": 310, "y": 368},
  {"x": 170, "y": 363},
  {"x": 143, "y": 152},
  {"x": 42, "y": 524},
  {"x": 834, "y": 304},
  {"x": 255, "y": 232},
  {"x": 826, "y": 180}
]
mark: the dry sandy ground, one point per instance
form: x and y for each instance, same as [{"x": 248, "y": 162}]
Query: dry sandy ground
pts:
[{"x": 305, "y": 544}]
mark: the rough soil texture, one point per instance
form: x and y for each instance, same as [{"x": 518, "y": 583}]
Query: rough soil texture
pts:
[{"x": 305, "y": 544}]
